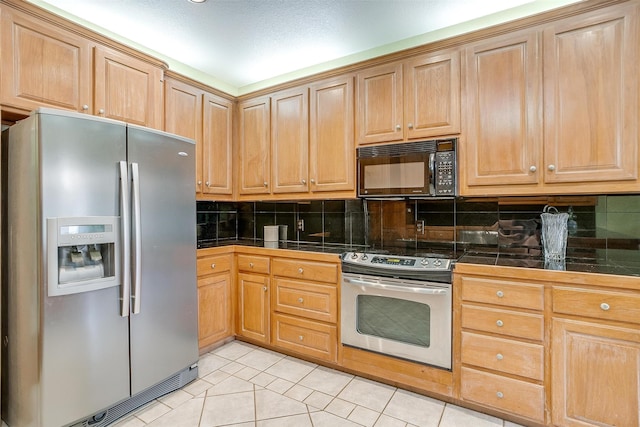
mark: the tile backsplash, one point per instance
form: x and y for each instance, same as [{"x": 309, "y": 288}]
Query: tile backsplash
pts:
[{"x": 602, "y": 226}]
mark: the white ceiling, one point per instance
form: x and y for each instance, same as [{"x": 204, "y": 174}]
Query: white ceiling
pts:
[{"x": 242, "y": 45}]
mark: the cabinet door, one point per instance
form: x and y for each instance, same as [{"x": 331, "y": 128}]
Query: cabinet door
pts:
[
  {"x": 253, "y": 310},
  {"x": 379, "y": 104},
  {"x": 331, "y": 147},
  {"x": 504, "y": 111},
  {"x": 127, "y": 88},
  {"x": 43, "y": 65},
  {"x": 591, "y": 97},
  {"x": 432, "y": 95},
  {"x": 255, "y": 159},
  {"x": 290, "y": 141},
  {"x": 214, "y": 309},
  {"x": 183, "y": 116},
  {"x": 217, "y": 154},
  {"x": 596, "y": 374}
]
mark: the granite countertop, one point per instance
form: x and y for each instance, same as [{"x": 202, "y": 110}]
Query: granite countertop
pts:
[{"x": 585, "y": 264}]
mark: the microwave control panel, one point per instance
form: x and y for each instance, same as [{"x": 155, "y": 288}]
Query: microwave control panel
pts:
[{"x": 445, "y": 183}]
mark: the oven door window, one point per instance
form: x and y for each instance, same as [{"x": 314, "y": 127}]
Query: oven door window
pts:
[{"x": 394, "y": 319}]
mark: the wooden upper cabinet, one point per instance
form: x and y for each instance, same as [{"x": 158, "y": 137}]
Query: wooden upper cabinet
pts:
[
  {"x": 290, "y": 140},
  {"x": 379, "y": 104},
  {"x": 591, "y": 97},
  {"x": 331, "y": 136},
  {"x": 183, "y": 116},
  {"x": 503, "y": 111},
  {"x": 217, "y": 140},
  {"x": 254, "y": 148},
  {"x": 127, "y": 88},
  {"x": 43, "y": 65},
  {"x": 432, "y": 95}
]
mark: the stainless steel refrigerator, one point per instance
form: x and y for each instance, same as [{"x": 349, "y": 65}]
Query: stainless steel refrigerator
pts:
[{"x": 99, "y": 297}]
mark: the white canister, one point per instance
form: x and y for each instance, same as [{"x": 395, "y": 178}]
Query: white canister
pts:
[{"x": 271, "y": 233}]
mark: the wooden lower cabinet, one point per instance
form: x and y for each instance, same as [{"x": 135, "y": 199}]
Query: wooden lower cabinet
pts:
[
  {"x": 253, "y": 307},
  {"x": 596, "y": 374},
  {"x": 215, "y": 299}
]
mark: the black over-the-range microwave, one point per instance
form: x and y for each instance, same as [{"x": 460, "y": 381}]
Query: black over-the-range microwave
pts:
[{"x": 409, "y": 169}]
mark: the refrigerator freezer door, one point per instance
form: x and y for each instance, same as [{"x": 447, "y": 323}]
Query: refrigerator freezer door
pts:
[
  {"x": 76, "y": 344},
  {"x": 163, "y": 323}
]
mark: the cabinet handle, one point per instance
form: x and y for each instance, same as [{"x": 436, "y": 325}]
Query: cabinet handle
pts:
[
  {"x": 265, "y": 184},
  {"x": 500, "y": 323},
  {"x": 313, "y": 181},
  {"x": 604, "y": 306},
  {"x": 499, "y": 356},
  {"x": 301, "y": 337},
  {"x": 300, "y": 270},
  {"x": 304, "y": 182},
  {"x": 85, "y": 107},
  {"x": 398, "y": 127},
  {"x": 199, "y": 182},
  {"x": 213, "y": 266},
  {"x": 410, "y": 125},
  {"x": 533, "y": 169},
  {"x": 300, "y": 300},
  {"x": 551, "y": 167},
  {"x": 251, "y": 265},
  {"x": 207, "y": 184},
  {"x": 101, "y": 111},
  {"x": 500, "y": 294},
  {"x": 499, "y": 395},
  {"x": 264, "y": 288}
]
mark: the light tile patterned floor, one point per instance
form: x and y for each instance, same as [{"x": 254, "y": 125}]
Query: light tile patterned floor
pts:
[{"x": 242, "y": 385}]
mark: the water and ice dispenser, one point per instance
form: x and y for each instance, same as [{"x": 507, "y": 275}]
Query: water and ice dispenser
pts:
[{"x": 82, "y": 254}]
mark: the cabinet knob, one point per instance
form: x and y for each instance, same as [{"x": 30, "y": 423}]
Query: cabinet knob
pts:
[
  {"x": 500, "y": 294},
  {"x": 213, "y": 266},
  {"x": 499, "y": 395},
  {"x": 85, "y": 107},
  {"x": 264, "y": 288},
  {"x": 199, "y": 182},
  {"x": 101, "y": 111},
  {"x": 499, "y": 356},
  {"x": 398, "y": 127},
  {"x": 265, "y": 184},
  {"x": 313, "y": 181},
  {"x": 533, "y": 168},
  {"x": 300, "y": 270},
  {"x": 301, "y": 337},
  {"x": 551, "y": 167},
  {"x": 300, "y": 300},
  {"x": 500, "y": 323},
  {"x": 304, "y": 182},
  {"x": 207, "y": 184},
  {"x": 410, "y": 125},
  {"x": 604, "y": 306},
  {"x": 251, "y": 265}
]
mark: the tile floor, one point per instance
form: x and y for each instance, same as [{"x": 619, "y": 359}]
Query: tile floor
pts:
[{"x": 242, "y": 385}]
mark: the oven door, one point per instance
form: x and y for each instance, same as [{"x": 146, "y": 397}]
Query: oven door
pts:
[{"x": 401, "y": 318}]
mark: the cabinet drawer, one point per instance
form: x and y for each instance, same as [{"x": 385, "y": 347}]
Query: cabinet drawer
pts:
[
  {"x": 512, "y": 357},
  {"x": 213, "y": 264},
  {"x": 254, "y": 263},
  {"x": 309, "y": 270},
  {"x": 311, "y": 300},
  {"x": 305, "y": 336},
  {"x": 506, "y": 394},
  {"x": 500, "y": 292},
  {"x": 504, "y": 322},
  {"x": 608, "y": 305}
]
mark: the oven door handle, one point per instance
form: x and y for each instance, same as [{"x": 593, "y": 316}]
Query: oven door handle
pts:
[{"x": 407, "y": 289}]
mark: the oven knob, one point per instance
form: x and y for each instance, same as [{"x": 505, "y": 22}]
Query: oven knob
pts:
[
  {"x": 425, "y": 261},
  {"x": 437, "y": 262},
  {"x": 365, "y": 257},
  {"x": 354, "y": 255}
]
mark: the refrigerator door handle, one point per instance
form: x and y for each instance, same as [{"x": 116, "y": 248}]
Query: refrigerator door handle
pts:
[
  {"x": 125, "y": 230},
  {"x": 137, "y": 238}
]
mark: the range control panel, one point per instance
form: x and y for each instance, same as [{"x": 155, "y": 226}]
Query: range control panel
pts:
[{"x": 396, "y": 262}]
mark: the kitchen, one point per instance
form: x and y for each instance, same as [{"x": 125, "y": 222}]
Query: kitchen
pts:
[{"x": 492, "y": 228}]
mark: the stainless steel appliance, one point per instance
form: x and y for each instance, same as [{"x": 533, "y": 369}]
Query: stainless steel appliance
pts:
[
  {"x": 98, "y": 269},
  {"x": 398, "y": 306},
  {"x": 411, "y": 169}
]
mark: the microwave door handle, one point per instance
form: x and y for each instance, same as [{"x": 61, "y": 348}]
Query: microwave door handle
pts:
[
  {"x": 406, "y": 289},
  {"x": 432, "y": 174}
]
